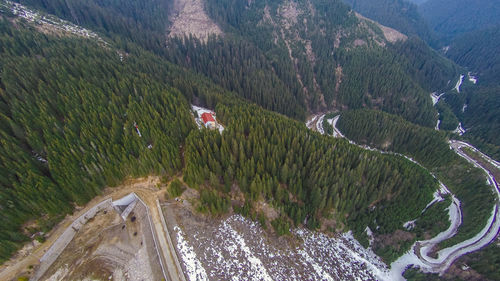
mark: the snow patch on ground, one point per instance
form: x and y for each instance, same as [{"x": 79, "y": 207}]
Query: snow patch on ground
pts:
[
  {"x": 436, "y": 197},
  {"x": 448, "y": 255},
  {"x": 369, "y": 233},
  {"x": 194, "y": 268},
  {"x": 459, "y": 130},
  {"x": 455, "y": 217},
  {"x": 239, "y": 249},
  {"x": 317, "y": 268},
  {"x": 336, "y": 132},
  {"x": 310, "y": 122},
  {"x": 409, "y": 225},
  {"x": 353, "y": 259},
  {"x": 459, "y": 83},
  {"x": 258, "y": 270},
  {"x": 472, "y": 78},
  {"x": 486, "y": 157},
  {"x": 50, "y": 22},
  {"x": 435, "y": 97},
  {"x": 319, "y": 124},
  {"x": 445, "y": 256}
]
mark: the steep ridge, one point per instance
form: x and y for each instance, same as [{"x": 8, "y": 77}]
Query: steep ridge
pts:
[{"x": 398, "y": 14}]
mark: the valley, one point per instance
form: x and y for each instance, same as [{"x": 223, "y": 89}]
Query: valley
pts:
[
  {"x": 418, "y": 256},
  {"x": 247, "y": 140}
]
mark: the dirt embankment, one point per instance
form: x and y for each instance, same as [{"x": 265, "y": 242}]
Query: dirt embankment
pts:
[
  {"x": 22, "y": 265},
  {"x": 110, "y": 247}
]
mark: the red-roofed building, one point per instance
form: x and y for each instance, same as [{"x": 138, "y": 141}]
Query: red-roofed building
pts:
[{"x": 208, "y": 120}]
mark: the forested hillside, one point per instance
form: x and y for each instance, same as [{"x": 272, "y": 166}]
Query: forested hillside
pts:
[
  {"x": 76, "y": 116},
  {"x": 241, "y": 67},
  {"x": 287, "y": 62},
  {"x": 307, "y": 177},
  {"x": 68, "y": 109},
  {"x": 430, "y": 148},
  {"x": 479, "y": 51},
  {"x": 76, "y": 134},
  {"x": 450, "y": 18},
  {"x": 477, "y": 106},
  {"x": 353, "y": 65},
  {"x": 141, "y": 22},
  {"x": 401, "y": 15}
]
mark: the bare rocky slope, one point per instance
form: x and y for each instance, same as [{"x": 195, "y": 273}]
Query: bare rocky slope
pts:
[{"x": 189, "y": 18}]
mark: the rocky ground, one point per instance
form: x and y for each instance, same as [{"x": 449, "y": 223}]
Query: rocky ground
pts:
[
  {"x": 190, "y": 18},
  {"x": 235, "y": 248}
]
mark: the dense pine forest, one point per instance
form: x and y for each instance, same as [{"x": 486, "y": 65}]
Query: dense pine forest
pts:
[
  {"x": 307, "y": 177},
  {"x": 398, "y": 14},
  {"x": 452, "y": 18},
  {"x": 346, "y": 68},
  {"x": 478, "y": 105},
  {"x": 478, "y": 51},
  {"x": 240, "y": 67},
  {"x": 430, "y": 148},
  {"x": 140, "y": 22},
  {"x": 337, "y": 71},
  {"x": 69, "y": 108},
  {"x": 75, "y": 134},
  {"x": 466, "y": 33}
]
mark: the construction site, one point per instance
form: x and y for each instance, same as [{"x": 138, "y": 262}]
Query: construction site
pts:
[
  {"x": 113, "y": 240},
  {"x": 120, "y": 235}
]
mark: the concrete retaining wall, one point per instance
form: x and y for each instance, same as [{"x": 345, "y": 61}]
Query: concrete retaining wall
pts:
[{"x": 60, "y": 244}]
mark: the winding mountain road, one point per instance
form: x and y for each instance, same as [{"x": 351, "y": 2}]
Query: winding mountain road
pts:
[{"x": 419, "y": 252}]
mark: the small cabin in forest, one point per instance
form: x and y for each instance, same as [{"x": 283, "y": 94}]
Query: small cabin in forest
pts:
[{"x": 208, "y": 120}]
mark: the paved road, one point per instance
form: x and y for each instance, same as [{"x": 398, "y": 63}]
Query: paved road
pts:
[
  {"x": 174, "y": 271},
  {"x": 418, "y": 253}
]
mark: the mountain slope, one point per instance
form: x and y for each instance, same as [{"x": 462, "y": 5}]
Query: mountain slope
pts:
[
  {"x": 479, "y": 52},
  {"x": 346, "y": 67},
  {"x": 398, "y": 14},
  {"x": 68, "y": 109},
  {"x": 76, "y": 117},
  {"x": 285, "y": 50},
  {"x": 450, "y": 18},
  {"x": 477, "y": 107}
]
